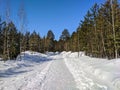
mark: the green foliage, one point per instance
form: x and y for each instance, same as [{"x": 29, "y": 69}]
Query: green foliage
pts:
[
  {"x": 64, "y": 43},
  {"x": 65, "y": 35},
  {"x": 95, "y": 34},
  {"x": 50, "y": 35},
  {"x": 98, "y": 35},
  {"x": 50, "y": 41},
  {"x": 34, "y": 41}
]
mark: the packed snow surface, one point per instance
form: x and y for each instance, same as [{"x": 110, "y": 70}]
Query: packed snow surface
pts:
[{"x": 59, "y": 71}]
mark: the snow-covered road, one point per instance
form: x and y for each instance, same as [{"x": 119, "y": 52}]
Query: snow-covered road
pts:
[
  {"x": 58, "y": 76},
  {"x": 59, "y": 71},
  {"x": 36, "y": 72}
]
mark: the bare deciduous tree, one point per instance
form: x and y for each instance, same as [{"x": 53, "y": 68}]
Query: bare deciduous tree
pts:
[{"x": 22, "y": 17}]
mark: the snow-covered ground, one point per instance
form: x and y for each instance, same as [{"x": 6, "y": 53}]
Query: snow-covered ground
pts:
[
  {"x": 59, "y": 71},
  {"x": 36, "y": 72},
  {"x": 93, "y": 73},
  {"x": 27, "y": 74}
]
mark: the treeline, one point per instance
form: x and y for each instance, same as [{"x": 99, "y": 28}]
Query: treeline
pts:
[
  {"x": 12, "y": 41},
  {"x": 98, "y": 35}
]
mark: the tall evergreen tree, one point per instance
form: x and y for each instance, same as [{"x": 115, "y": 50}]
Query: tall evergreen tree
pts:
[
  {"x": 14, "y": 44},
  {"x": 65, "y": 35},
  {"x": 2, "y": 26},
  {"x": 34, "y": 41},
  {"x": 64, "y": 38},
  {"x": 50, "y": 41},
  {"x": 27, "y": 38}
]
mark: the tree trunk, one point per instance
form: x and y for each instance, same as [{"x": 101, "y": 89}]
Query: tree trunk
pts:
[{"x": 113, "y": 28}]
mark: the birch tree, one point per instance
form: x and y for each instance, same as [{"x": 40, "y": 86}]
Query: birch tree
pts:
[
  {"x": 21, "y": 15},
  {"x": 6, "y": 32}
]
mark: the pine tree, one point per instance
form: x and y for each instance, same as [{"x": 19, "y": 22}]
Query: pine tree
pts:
[
  {"x": 14, "y": 44},
  {"x": 2, "y": 26},
  {"x": 26, "y": 38},
  {"x": 65, "y": 35},
  {"x": 74, "y": 42},
  {"x": 64, "y": 38},
  {"x": 34, "y": 42},
  {"x": 50, "y": 41}
]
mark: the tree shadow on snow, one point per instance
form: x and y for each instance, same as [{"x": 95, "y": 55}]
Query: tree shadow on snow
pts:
[
  {"x": 14, "y": 71},
  {"x": 36, "y": 58},
  {"x": 28, "y": 61},
  {"x": 7, "y": 73}
]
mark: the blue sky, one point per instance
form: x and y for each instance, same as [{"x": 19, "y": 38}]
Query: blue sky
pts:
[{"x": 55, "y": 15}]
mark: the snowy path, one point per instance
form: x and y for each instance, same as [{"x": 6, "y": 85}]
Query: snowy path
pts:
[
  {"x": 59, "y": 77},
  {"x": 51, "y": 74},
  {"x": 64, "y": 71}
]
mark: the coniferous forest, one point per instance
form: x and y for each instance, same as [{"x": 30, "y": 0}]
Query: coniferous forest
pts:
[{"x": 98, "y": 35}]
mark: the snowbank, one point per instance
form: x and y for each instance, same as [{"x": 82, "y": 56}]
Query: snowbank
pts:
[
  {"x": 24, "y": 74},
  {"x": 93, "y": 73}
]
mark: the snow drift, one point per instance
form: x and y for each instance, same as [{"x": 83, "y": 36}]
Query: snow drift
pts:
[{"x": 93, "y": 73}]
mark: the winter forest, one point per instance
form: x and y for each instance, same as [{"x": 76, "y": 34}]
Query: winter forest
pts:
[
  {"x": 98, "y": 35},
  {"x": 72, "y": 54}
]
